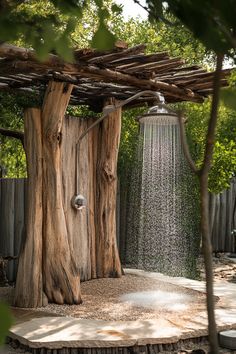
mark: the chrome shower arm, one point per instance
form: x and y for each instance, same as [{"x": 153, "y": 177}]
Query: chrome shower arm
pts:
[{"x": 112, "y": 108}]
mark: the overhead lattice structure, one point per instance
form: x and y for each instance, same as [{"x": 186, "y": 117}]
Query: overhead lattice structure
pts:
[{"x": 98, "y": 75}]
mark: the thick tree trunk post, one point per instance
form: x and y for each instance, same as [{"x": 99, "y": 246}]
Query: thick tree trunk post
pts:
[
  {"x": 60, "y": 273},
  {"x": 29, "y": 292},
  {"x": 107, "y": 256}
]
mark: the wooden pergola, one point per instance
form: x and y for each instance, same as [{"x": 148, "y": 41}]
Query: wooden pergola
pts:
[
  {"x": 63, "y": 245},
  {"x": 97, "y": 76}
]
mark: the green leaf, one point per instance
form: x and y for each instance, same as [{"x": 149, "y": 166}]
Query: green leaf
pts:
[
  {"x": 228, "y": 96},
  {"x": 6, "y": 321},
  {"x": 103, "y": 14},
  {"x": 70, "y": 7},
  {"x": 103, "y": 39},
  {"x": 99, "y": 3},
  {"x": 62, "y": 46},
  {"x": 117, "y": 8}
]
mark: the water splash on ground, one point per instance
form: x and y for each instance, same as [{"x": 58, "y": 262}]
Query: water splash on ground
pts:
[{"x": 159, "y": 299}]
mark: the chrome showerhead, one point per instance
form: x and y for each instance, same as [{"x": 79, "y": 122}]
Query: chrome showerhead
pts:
[{"x": 159, "y": 114}]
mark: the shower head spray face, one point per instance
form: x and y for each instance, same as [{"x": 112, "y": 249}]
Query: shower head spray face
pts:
[{"x": 160, "y": 115}]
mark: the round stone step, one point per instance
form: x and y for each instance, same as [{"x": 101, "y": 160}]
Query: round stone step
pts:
[{"x": 227, "y": 339}]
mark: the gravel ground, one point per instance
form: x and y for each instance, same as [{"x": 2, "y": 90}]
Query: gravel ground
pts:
[
  {"x": 103, "y": 300},
  {"x": 108, "y": 304}
]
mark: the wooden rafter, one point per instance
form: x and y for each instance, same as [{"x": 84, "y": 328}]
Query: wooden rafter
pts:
[{"x": 99, "y": 75}]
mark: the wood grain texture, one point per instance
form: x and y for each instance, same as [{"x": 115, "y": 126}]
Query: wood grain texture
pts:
[
  {"x": 75, "y": 164},
  {"x": 107, "y": 257},
  {"x": 29, "y": 287},
  {"x": 61, "y": 278},
  {"x": 20, "y": 70},
  {"x": 7, "y": 223},
  {"x": 19, "y": 217}
]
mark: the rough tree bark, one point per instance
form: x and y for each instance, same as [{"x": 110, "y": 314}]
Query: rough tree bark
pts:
[
  {"x": 63, "y": 244},
  {"x": 203, "y": 174},
  {"x": 61, "y": 279},
  {"x": 29, "y": 290},
  {"x": 107, "y": 256}
]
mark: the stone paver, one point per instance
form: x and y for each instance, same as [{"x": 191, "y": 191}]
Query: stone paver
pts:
[{"x": 55, "y": 332}]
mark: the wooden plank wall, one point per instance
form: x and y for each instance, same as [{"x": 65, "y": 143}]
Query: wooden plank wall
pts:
[
  {"x": 80, "y": 224},
  {"x": 223, "y": 219},
  {"x": 12, "y": 211}
]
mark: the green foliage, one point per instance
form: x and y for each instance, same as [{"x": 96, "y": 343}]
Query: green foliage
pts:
[
  {"x": 48, "y": 26},
  {"x": 212, "y": 22},
  {"x": 129, "y": 141},
  {"x": 228, "y": 96},
  {"x": 224, "y": 166},
  {"x": 178, "y": 41},
  {"x": 103, "y": 39},
  {"x": 12, "y": 156},
  {"x": 224, "y": 157},
  {"x": 6, "y": 320}
]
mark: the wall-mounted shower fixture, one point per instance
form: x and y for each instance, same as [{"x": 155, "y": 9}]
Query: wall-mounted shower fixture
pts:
[
  {"x": 106, "y": 111},
  {"x": 78, "y": 202}
]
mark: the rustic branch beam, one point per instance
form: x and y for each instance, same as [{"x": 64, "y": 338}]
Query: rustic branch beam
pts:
[
  {"x": 194, "y": 84},
  {"x": 174, "y": 75},
  {"x": 113, "y": 76},
  {"x": 14, "y": 53},
  {"x": 181, "y": 75},
  {"x": 140, "y": 58},
  {"x": 160, "y": 64},
  {"x": 120, "y": 70},
  {"x": 13, "y": 134},
  {"x": 107, "y": 75},
  {"x": 205, "y": 85},
  {"x": 109, "y": 57},
  {"x": 133, "y": 63}
]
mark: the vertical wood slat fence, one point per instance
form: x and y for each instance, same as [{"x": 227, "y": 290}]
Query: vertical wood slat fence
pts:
[
  {"x": 12, "y": 214},
  {"x": 223, "y": 219}
]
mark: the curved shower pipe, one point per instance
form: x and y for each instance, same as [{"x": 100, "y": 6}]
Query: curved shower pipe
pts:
[{"x": 78, "y": 201}]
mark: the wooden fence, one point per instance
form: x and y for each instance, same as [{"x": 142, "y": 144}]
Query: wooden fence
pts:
[
  {"x": 223, "y": 219},
  {"x": 12, "y": 213}
]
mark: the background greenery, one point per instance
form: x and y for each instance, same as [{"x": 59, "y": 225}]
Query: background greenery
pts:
[
  {"x": 57, "y": 26},
  {"x": 178, "y": 41}
]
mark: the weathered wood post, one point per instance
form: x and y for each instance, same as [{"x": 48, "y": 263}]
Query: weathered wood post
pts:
[
  {"x": 29, "y": 288},
  {"x": 46, "y": 264},
  {"x": 107, "y": 256},
  {"x": 61, "y": 279},
  {"x": 60, "y": 243}
]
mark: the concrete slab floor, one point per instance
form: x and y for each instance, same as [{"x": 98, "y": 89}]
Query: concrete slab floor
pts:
[{"x": 38, "y": 330}]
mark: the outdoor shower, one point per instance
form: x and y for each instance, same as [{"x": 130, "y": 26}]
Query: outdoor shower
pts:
[{"x": 162, "y": 227}]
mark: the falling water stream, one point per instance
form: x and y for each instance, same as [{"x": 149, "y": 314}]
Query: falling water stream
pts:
[{"x": 162, "y": 233}]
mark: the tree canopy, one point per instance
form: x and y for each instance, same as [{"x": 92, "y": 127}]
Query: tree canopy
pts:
[
  {"x": 57, "y": 26},
  {"x": 159, "y": 36}
]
